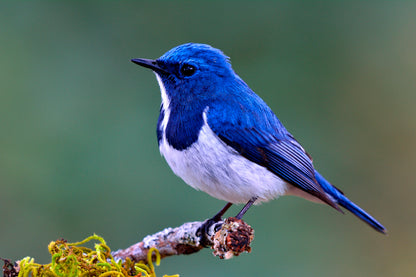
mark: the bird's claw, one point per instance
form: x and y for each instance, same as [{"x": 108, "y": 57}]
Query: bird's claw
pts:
[{"x": 208, "y": 230}]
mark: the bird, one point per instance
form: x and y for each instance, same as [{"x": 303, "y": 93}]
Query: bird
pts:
[{"x": 220, "y": 137}]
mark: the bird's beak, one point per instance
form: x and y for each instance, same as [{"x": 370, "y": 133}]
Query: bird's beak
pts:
[{"x": 152, "y": 64}]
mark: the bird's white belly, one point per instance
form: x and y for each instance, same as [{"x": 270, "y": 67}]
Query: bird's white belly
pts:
[{"x": 217, "y": 169}]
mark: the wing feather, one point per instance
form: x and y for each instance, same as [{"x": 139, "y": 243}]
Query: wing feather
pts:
[{"x": 282, "y": 156}]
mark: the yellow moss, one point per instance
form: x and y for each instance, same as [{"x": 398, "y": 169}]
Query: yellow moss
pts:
[{"x": 74, "y": 260}]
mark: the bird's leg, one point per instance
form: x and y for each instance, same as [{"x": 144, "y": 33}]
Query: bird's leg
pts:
[
  {"x": 219, "y": 215},
  {"x": 246, "y": 207},
  {"x": 216, "y": 218},
  {"x": 204, "y": 230}
]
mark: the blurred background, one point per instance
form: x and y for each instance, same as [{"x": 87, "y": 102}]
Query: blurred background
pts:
[{"x": 78, "y": 150}]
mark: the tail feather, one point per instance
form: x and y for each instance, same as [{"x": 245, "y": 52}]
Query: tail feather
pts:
[{"x": 343, "y": 201}]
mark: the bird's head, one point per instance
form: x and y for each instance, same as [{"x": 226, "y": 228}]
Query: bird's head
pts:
[{"x": 191, "y": 70}]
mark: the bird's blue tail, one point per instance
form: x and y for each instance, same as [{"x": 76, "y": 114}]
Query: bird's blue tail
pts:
[{"x": 348, "y": 204}]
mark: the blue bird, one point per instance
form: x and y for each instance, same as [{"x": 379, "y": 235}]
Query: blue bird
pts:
[{"x": 222, "y": 138}]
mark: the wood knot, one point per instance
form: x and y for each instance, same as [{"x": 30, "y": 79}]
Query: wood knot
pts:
[{"x": 233, "y": 238}]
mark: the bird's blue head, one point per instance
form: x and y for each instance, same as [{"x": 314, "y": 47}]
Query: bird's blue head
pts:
[
  {"x": 191, "y": 72},
  {"x": 192, "y": 78},
  {"x": 192, "y": 60}
]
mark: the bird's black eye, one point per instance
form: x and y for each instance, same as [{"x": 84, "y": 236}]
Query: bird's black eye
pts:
[{"x": 188, "y": 70}]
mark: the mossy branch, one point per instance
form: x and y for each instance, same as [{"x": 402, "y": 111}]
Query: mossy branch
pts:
[{"x": 228, "y": 238}]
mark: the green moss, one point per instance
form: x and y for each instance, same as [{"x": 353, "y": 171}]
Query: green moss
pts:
[{"x": 73, "y": 260}]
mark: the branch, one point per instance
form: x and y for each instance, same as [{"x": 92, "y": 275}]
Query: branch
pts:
[{"x": 228, "y": 238}]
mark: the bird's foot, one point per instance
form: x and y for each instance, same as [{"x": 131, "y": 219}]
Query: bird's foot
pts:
[{"x": 208, "y": 230}]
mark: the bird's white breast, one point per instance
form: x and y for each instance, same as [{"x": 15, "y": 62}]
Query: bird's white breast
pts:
[{"x": 217, "y": 169}]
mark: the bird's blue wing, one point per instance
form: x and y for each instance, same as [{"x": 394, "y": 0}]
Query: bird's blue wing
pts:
[{"x": 267, "y": 143}]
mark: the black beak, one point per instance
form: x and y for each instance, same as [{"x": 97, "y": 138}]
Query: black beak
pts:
[{"x": 152, "y": 64}]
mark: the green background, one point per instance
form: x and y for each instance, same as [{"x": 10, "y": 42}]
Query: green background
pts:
[{"x": 78, "y": 150}]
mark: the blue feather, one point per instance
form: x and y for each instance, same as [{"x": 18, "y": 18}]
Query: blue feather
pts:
[
  {"x": 342, "y": 200},
  {"x": 255, "y": 132},
  {"x": 159, "y": 130}
]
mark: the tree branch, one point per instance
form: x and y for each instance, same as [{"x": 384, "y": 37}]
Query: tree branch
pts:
[{"x": 228, "y": 238}]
